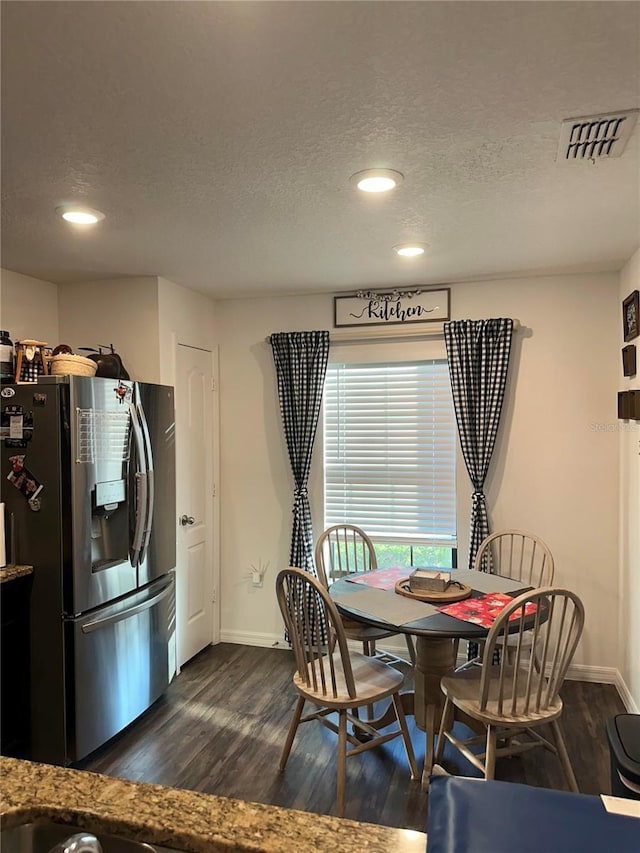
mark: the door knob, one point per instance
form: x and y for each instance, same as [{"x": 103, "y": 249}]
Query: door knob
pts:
[{"x": 186, "y": 519}]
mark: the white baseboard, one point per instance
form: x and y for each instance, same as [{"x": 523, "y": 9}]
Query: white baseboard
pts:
[
  {"x": 625, "y": 694},
  {"x": 577, "y": 671},
  {"x": 248, "y": 638},
  {"x": 597, "y": 674}
]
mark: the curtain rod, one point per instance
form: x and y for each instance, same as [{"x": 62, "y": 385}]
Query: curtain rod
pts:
[{"x": 373, "y": 333}]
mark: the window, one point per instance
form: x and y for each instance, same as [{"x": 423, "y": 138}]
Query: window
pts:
[{"x": 389, "y": 458}]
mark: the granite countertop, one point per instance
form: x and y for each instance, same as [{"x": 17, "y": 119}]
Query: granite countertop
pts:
[
  {"x": 185, "y": 820},
  {"x": 9, "y": 573}
]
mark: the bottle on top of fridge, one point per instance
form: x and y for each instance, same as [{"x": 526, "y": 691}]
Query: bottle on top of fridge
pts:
[{"x": 6, "y": 357}]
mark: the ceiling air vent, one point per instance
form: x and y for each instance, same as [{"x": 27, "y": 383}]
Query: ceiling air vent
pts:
[{"x": 592, "y": 138}]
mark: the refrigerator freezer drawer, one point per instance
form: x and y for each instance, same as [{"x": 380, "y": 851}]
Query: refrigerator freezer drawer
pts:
[{"x": 123, "y": 660}]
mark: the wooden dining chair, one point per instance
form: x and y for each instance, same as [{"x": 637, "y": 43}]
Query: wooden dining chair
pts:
[
  {"x": 518, "y": 555},
  {"x": 332, "y": 679},
  {"x": 342, "y": 550},
  {"x": 510, "y": 701}
]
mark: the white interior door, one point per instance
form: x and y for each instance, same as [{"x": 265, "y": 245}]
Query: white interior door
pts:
[{"x": 195, "y": 486}]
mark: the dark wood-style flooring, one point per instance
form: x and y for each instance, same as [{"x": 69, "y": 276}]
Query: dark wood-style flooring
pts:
[{"x": 221, "y": 726}]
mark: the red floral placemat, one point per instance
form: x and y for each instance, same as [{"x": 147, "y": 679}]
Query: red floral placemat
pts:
[
  {"x": 484, "y": 610},
  {"x": 382, "y": 578}
]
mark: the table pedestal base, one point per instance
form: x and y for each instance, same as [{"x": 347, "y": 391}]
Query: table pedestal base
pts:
[{"x": 435, "y": 658}]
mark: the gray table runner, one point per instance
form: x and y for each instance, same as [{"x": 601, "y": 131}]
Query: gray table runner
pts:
[
  {"x": 388, "y": 606},
  {"x": 398, "y": 610}
]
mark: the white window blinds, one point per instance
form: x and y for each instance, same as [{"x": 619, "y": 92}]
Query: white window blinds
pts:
[{"x": 389, "y": 450}]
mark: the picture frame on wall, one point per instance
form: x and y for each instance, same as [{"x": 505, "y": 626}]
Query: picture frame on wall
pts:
[
  {"x": 629, "y": 405},
  {"x": 624, "y": 405},
  {"x": 629, "y": 360},
  {"x": 631, "y": 316}
]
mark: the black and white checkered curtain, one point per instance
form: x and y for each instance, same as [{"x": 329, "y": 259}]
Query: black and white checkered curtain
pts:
[
  {"x": 478, "y": 354},
  {"x": 301, "y": 364}
]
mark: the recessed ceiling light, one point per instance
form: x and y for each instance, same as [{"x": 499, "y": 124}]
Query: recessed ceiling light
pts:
[
  {"x": 410, "y": 250},
  {"x": 377, "y": 180},
  {"x": 80, "y": 215}
]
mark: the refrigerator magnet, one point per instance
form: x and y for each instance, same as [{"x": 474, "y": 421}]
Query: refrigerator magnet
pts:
[
  {"x": 23, "y": 479},
  {"x": 16, "y": 427},
  {"x": 123, "y": 392}
]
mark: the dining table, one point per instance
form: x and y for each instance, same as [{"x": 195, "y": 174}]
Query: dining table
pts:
[{"x": 436, "y": 636}]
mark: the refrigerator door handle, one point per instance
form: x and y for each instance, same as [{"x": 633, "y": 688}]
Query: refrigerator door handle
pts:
[
  {"x": 150, "y": 482},
  {"x": 141, "y": 505},
  {"x": 96, "y": 624},
  {"x": 141, "y": 489}
]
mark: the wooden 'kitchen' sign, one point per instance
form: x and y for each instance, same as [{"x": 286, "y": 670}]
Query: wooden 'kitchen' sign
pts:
[{"x": 368, "y": 308}]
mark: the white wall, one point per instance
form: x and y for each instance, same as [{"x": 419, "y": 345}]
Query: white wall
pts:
[
  {"x": 122, "y": 312},
  {"x": 184, "y": 316},
  {"x": 143, "y": 317},
  {"x": 629, "y": 438},
  {"x": 555, "y": 471},
  {"x": 187, "y": 317},
  {"x": 29, "y": 308},
  {"x": 255, "y": 479},
  {"x": 555, "y": 464}
]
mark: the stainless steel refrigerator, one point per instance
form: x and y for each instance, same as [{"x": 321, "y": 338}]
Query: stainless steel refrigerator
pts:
[{"x": 88, "y": 475}]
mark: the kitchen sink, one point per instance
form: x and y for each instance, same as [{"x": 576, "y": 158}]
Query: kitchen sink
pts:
[{"x": 41, "y": 837}]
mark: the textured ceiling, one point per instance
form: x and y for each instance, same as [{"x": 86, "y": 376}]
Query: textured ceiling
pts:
[{"x": 219, "y": 137}]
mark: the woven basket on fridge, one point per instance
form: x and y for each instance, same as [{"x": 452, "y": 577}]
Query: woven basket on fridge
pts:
[{"x": 72, "y": 365}]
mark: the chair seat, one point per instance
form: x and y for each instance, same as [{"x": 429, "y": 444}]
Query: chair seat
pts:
[
  {"x": 357, "y": 631},
  {"x": 463, "y": 689},
  {"x": 373, "y": 680},
  {"x": 525, "y": 642},
  {"x": 512, "y": 641}
]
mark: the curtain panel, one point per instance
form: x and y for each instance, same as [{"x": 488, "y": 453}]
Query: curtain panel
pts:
[
  {"x": 478, "y": 354},
  {"x": 300, "y": 360}
]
